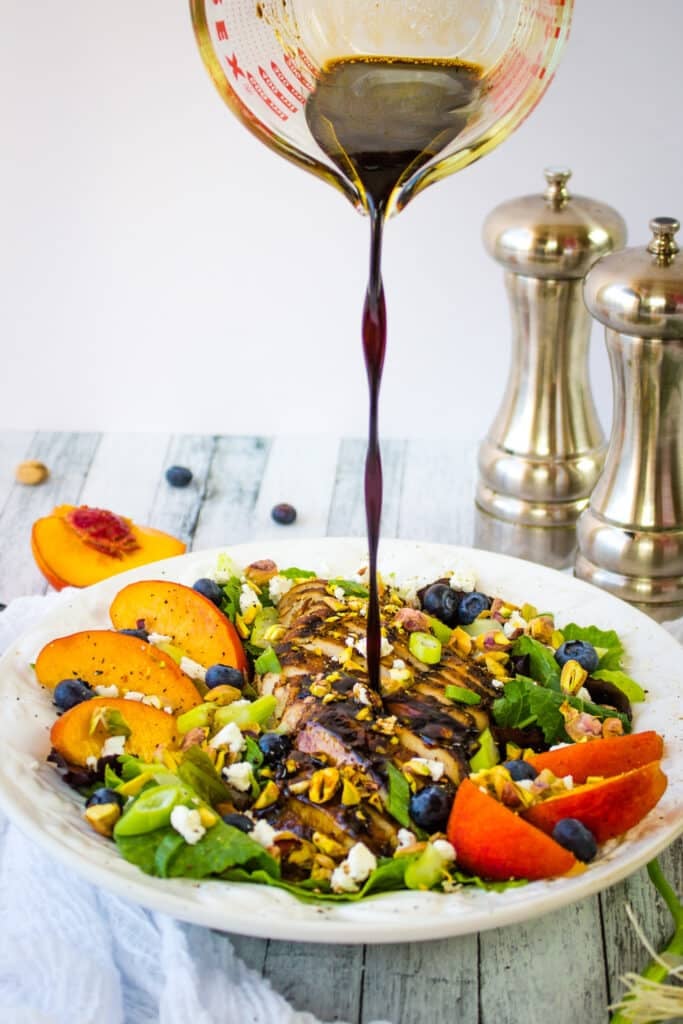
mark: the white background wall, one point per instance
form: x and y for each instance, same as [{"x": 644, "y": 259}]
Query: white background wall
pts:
[{"x": 160, "y": 269}]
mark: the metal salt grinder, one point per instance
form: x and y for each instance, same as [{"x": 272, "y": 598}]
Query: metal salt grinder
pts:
[
  {"x": 631, "y": 536},
  {"x": 545, "y": 448}
]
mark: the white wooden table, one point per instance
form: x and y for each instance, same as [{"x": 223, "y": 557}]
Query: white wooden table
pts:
[{"x": 564, "y": 966}]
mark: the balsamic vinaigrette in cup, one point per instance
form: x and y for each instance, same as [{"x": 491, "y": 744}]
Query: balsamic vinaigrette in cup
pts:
[{"x": 379, "y": 120}]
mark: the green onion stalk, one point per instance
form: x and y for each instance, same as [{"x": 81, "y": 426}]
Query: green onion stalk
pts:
[{"x": 650, "y": 997}]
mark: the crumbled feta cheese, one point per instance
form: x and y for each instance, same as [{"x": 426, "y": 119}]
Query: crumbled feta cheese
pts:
[
  {"x": 514, "y": 623},
  {"x": 263, "y": 833},
  {"x": 107, "y": 691},
  {"x": 398, "y": 663},
  {"x": 187, "y": 822},
  {"x": 192, "y": 669},
  {"x": 350, "y": 641},
  {"x": 362, "y": 694},
  {"x": 134, "y": 695},
  {"x": 425, "y": 766},
  {"x": 229, "y": 736},
  {"x": 527, "y": 784},
  {"x": 339, "y": 593},
  {"x": 277, "y": 588},
  {"x": 91, "y": 762},
  {"x": 239, "y": 776},
  {"x": 113, "y": 746},
  {"x": 159, "y": 638},
  {"x": 583, "y": 694},
  {"x": 353, "y": 871},
  {"x": 568, "y": 781},
  {"x": 559, "y": 746},
  {"x": 248, "y": 598},
  {"x": 405, "y": 838},
  {"x": 168, "y": 709},
  {"x": 445, "y": 850},
  {"x": 152, "y": 700},
  {"x": 361, "y": 646},
  {"x": 463, "y": 578}
]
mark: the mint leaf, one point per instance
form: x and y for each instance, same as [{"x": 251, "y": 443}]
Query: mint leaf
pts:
[
  {"x": 230, "y": 604},
  {"x": 606, "y": 639},
  {"x": 628, "y": 686},
  {"x": 542, "y": 665}
]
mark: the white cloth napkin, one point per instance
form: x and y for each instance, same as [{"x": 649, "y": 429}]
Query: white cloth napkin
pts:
[{"x": 74, "y": 954}]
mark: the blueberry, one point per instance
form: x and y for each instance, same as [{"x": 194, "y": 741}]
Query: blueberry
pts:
[
  {"x": 430, "y": 808},
  {"x": 442, "y": 602},
  {"x": 71, "y": 692},
  {"x": 472, "y": 605},
  {"x": 578, "y": 650},
  {"x": 274, "y": 746},
  {"x": 283, "y": 513},
  {"x": 104, "y": 796},
  {"x": 223, "y": 675},
  {"x": 520, "y": 769},
  {"x": 240, "y": 821},
  {"x": 575, "y": 837},
  {"x": 207, "y": 588},
  {"x": 140, "y": 634},
  {"x": 178, "y": 476}
]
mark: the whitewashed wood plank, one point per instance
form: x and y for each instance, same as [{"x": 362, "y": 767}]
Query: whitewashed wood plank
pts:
[
  {"x": 624, "y": 950},
  {"x": 548, "y": 969},
  {"x": 325, "y": 980},
  {"x": 227, "y": 513},
  {"x": 437, "y": 501},
  {"x": 125, "y": 473},
  {"x": 347, "y": 509},
  {"x": 176, "y": 509},
  {"x": 68, "y": 457},
  {"x": 251, "y": 951},
  {"x": 427, "y": 981},
  {"x": 15, "y": 447},
  {"x": 301, "y": 472}
]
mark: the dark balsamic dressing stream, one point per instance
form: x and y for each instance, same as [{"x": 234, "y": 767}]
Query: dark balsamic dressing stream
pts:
[{"x": 379, "y": 120}]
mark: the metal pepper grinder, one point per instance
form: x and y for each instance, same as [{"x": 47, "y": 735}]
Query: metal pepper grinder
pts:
[
  {"x": 631, "y": 536},
  {"x": 545, "y": 448}
]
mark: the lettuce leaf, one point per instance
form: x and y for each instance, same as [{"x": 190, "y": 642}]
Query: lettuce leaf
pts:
[
  {"x": 525, "y": 703},
  {"x": 542, "y": 665},
  {"x": 350, "y": 587},
  {"x": 606, "y": 640},
  {"x": 628, "y": 686},
  {"x": 297, "y": 574},
  {"x": 197, "y": 771}
]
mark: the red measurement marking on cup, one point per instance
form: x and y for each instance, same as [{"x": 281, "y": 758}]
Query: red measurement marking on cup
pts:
[
  {"x": 301, "y": 78},
  {"x": 222, "y": 31},
  {"x": 233, "y": 63},
  {"x": 254, "y": 83},
  {"x": 276, "y": 92},
  {"x": 306, "y": 60},
  {"x": 287, "y": 84}
]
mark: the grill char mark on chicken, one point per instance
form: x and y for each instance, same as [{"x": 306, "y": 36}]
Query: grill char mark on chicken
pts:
[{"x": 358, "y": 733}]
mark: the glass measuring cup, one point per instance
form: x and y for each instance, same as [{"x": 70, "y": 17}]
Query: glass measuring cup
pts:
[{"x": 266, "y": 56}]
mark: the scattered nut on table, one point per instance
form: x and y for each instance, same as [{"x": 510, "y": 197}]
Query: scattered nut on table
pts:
[{"x": 31, "y": 472}]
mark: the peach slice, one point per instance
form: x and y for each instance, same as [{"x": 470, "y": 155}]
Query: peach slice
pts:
[
  {"x": 77, "y": 546},
  {"x": 74, "y": 738},
  {"x": 495, "y": 843},
  {"x": 607, "y": 808},
  {"x": 606, "y": 757},
  {"x": 194, "y": 623},
  {"x": 103, "y": 657}
]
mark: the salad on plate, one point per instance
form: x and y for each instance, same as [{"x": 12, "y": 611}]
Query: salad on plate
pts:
[{"x": 228, "y": 730}]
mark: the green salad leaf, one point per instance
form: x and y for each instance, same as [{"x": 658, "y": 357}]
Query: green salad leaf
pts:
[
  {"x": 230, "y": 605},
  {"x": 197, "y": 771},
  {"x": 628, "y": 686},
  {"x": 166, "y": 854},
  {"x": 350, "y": 587},
  {"x": 606, "y": 641},
  {"x": 525, "y": 703},
  {"x": 297, "y": 574},
  {"x": 542, "y": 665},
  {"x": 398, "y": 796}
]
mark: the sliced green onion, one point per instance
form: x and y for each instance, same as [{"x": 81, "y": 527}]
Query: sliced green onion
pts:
[
  {"x": 462, "y": 696},
  {"x": 196, "y": 718},
  {"x": 425, "y": 648},
  {"x": 258, "y": 711},
  {"x": 398, "y": 796},
  {"x": 151, "y": 810},
  {"x": 440, "y": 630},
  {"x": 267, "y": 662}
]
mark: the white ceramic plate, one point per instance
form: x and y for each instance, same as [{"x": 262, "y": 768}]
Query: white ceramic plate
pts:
[{"x": 46, "y": 810}]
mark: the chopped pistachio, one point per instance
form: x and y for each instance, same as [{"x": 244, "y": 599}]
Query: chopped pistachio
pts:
[
  {"x": 326, "y": 844},
  {"x": 573, "y": 677},
  {"x": 103, "y": 817},
  {"x": 350, "y": 795},
  {"x": 323, "y": 785},
  {"x": 269, "y": 794}
]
